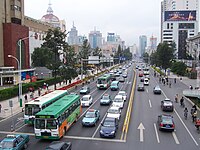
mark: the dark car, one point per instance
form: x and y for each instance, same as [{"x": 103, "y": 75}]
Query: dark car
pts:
[
  {"x": 85, "y": 90},
  {"x": 167, "y": 105},
  {"x": 166, "y": 122},
  {"x": 140, "y": 87},
  {"x": 59, "y": 145},
  {"x": 15, "y": 142},
  {"x": 157, "y": 90},
  {"x": 142, "y": 79},
  {"x": 109, "y": 127},
  {"x": 105, "y": 100}
]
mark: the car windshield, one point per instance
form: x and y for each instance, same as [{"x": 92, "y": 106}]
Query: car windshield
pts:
[
  {"x": 6, "y": 144},
  {"x": 108, "y": 124},
  {"x": 167, "y": 120},
  {"x": 113, "y": 111},
  {"x": 117, "y": 100},
  {"x": 90, "y": 115},
  {"x": 106, "y": 97},
  {"x": 114, "y": 84},
  {"x": 85, "y": 99},
  {"x": 122, "y": 93},
  {"x": 84, "y": 88}
]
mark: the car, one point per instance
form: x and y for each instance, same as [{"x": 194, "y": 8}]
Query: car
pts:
[
  {"x": 166, "y": 122},
  {"x": 109, "y": 127},
  {"x": 15, "y": 142},
  {"x": 118, "y": 101},
  {"x": 117, "y": 74},
  {"x": 157, "y": 90},
  {"x": 105, "y": 100},
  {"x": 167, "y": 105},
  {"x": 85, "y": 90},
  {"x": 86, "y": 100},
  {"x": 91, "y": 117},
  {"x": 146, "y": 81},
  {"x": 124, "y": 94},
  {"x": 142, "y": 79},
  {"x": 121, "y": 79},
  {"x": 114, "y": 85},
  {"x": 59, "y": 145},
  {"x": 114, "y": 112},
  {"x": 124, "y": 75},
  {"x": 141, "y": 74},
  {"x": 140, "y": 87}
]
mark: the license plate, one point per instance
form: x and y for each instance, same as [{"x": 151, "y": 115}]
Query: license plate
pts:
[{"x": 167, "y": 126}]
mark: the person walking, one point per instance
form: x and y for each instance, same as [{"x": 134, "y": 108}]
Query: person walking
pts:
[
  {"x": 26, "y": 98},
  {"x": 39, "y": 91},
  {"x": 174, "y": 80}
]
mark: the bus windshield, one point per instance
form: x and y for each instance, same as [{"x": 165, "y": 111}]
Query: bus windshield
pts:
[
  {"x": 45, "y": 124},
  {"x": 101, "y": 81},
  {"x": 31, "y": 109}
]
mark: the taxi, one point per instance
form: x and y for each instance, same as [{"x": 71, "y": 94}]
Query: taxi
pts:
[
  {"x": 15, "y": 142},
  {"x": 91, "y": 117}
]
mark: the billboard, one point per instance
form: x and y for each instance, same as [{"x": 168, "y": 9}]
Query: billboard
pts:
[
  {"x": 93, "y": 60},
  {"x": 180, "y": 15},
  {"x": 107, "y": 59}
]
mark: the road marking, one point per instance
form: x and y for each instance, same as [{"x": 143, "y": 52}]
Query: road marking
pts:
[
  {"x": 20, "y": 127},
  {"x": 141, "y": 128},
  {"x": 175, "y": 138},
  {"x": 99, "y": 126},
  {"x": 147, "y": 91},
  {"x": 95, "y": 139},
  {"x": 157, "y": 137},
  {"x": 8, "y": 132},
  {"x": 150, "y": 103},
  {"x": 186, "y": 128}
]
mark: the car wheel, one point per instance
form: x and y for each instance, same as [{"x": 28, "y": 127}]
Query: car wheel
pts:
[{"x": 25, "y": 146}]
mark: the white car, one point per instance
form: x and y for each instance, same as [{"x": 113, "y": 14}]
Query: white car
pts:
[
  {"x": 146, "y": 81},
  {"x": 114, "y": 112},
  {"x": 86, "y": 100},
  {"x": 124, "y": 95},
  {"x": 118, "y": 101}
]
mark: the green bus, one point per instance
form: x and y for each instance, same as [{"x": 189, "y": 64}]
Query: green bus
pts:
[
  {"x": 56, "y": 119},
  {"x": 104, "y": 81}
]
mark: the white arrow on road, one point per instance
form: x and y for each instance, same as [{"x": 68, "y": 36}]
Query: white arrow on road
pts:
[{"x": 141, "y": 128}]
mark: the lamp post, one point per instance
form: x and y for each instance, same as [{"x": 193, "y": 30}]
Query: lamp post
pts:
[{"x": 19, "y": 76}]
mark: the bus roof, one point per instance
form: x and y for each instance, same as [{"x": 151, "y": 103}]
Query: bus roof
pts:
[
  {"x": 105, "y": 76},
  {"x": 59, "y": 106},
  {"x": 46, "y": 98}
]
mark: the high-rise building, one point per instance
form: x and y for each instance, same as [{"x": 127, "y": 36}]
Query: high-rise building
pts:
[
  {"x": 142, "y": 44},
  {"x": 179, "y": 21},
  {"x": 73, "y": 36},
  {"x": 153, "y": 43},
  {"x": 95, "y": 39}
]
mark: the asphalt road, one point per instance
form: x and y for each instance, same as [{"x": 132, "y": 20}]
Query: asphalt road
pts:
[{"x": 145, "y": 110}]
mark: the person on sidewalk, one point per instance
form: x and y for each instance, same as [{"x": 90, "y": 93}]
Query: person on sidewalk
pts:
[
  {"x": 26, "y": 98},
  {"x": 174, "y": 80},
  {"x": 0, "y": 108},
  {"x": 39, "y": 91}
]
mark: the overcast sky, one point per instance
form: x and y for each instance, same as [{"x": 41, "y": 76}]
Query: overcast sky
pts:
[{"x": 127, "y": 18}]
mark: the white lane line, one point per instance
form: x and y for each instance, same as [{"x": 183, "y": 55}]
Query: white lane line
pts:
[
  {"x": 186, "y": 128},
  {"x": 175, "y": 138},
  {"x": 99, "y": 126},
  {"x": 147, "y": 91},
  {"x": 150, "y": 103},
  {"x": 157, "y": 137}
]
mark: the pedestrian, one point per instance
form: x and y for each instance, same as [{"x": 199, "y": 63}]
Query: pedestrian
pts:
[
  {"x": 0, "y": 108},
  {"x": 170, "y": 84},
  {"x": 39, "y": 91},
  {"x": 26, "y": 98},
  {"x": 159, "y": 79},
  {"x": 47, "y": 86},
  {"x": 174, "y": 80}
]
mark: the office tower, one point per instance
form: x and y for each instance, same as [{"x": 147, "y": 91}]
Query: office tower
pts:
[
  {"x": 95, "y": 39},
  {"x": 142, "y": 44}
]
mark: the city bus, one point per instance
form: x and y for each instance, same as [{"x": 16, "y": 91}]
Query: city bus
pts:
[
  {"x": 38, "y": 104},
  {"x": 56, "y": 119},
  {"x": 104, "y": 81}
]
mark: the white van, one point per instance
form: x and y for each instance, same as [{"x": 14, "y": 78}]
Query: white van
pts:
[
  {"x": 146, "y": 81},
  {"x": 118, "y": 101},
  {"x": 86, "y": 100}
]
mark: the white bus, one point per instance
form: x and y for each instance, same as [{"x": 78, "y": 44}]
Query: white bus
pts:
[{"x": 34, "y": 106}]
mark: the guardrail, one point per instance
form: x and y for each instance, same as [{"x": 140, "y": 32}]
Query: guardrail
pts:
[{"x": 191, "y": 93}]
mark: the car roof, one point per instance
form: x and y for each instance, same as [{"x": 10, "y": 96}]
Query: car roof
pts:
[
  {"x": 109, "y": 119},
  {"x": 121, "y": 92},
  {"x": 114, "y": 82},
  {"x": 11, "y": 137},
  {"x": 166, "y": 116},
  {"x": 86, "y": 95},
  {"x": 118, "y": 96},
  {"x": 114, "y": 107}
]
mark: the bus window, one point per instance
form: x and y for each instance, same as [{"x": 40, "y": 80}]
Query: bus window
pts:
[
  {"x": 51, "y": 124},
  {"x": 40, "y": 124}
]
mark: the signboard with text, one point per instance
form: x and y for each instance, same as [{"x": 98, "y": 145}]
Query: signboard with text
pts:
[{"x": 180, "y": 15}]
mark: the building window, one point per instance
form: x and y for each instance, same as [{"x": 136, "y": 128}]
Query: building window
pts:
[
  {"x": 167, "y": 25},
  {"x": 15, "y": 7}
]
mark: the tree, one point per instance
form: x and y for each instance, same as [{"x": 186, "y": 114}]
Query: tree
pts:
[
  {"x": 179, "y": 68},
  {"x": 97, "y": 52},
  {"x": 40, "y": 57},
  {"x": 146, "y": 57},
  {"x": 118, "y": 54},
  {"x": 127, "y": 54}
]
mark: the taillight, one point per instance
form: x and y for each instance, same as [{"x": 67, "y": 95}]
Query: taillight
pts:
[
  {"x": 173, "y": 125},
  {"x": 161, "y": 124}
]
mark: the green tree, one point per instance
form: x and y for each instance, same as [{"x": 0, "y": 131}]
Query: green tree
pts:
[
  {"x": 146, "y": 57},
  {"x": 97, "y": 52},
  {"x": 118, "y": 54},
  {"x": 127, "y": 54},
  {"x": 40, "y": 57},
  {"x": 179, "y": 68}
]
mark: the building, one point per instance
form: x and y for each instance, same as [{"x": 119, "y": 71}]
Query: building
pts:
[
  {"x": 142, "y": 44},
  {"x": 179, "y": 21},
  {"x": 95, "y": 39}
]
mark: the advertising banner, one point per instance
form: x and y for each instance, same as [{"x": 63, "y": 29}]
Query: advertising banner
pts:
[{"x": 180, "y": 15}]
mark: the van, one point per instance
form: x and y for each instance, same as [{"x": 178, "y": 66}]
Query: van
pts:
[
  {"x": 114, "y": 85},
  {"x": 146, "y": 81}
]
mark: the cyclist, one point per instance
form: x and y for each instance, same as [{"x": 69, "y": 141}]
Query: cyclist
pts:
[
  {"x": 176, "y": 98},
  {"x": 197, "y": 123},
  {"x": 182, "y": 102},
  {"x": 185, "y": 112},
  {"x": 194, "y": 116}
]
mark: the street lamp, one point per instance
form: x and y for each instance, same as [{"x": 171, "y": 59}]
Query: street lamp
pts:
[{"x": 19, "y": 77}]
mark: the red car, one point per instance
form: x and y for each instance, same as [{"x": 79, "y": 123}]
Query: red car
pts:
[{"x": 141, "y": 74}]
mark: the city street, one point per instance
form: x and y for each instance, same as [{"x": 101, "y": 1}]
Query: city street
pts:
[{"x": 143, "y": 130}]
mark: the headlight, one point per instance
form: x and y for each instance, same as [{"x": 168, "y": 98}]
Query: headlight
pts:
[
  {"x": 37, "y": 134},
  {"x": 113, "y": 132},
  {"x": 101, "y": 131}
]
